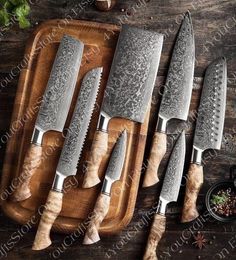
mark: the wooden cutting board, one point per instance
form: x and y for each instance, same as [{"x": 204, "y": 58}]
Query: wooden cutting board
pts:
[{"x": 100, "y": 42}]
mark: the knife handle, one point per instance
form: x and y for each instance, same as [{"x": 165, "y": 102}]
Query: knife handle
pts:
[
  {"x": 155, "y": 235},
  {"x": 100, "y": 211},
  {"x": 193, "y": 185},
  {"x": 30, "y": 165},
  {"x": 157, "y": 153},
  {"x": 51, "y": 211},
  {"x": 98, "y": 151}
]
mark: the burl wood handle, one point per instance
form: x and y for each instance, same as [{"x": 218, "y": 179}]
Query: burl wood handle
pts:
[
  {"x": 30, "y": 165},
  {"x": 158, "y": 151},
  {"x": 193, "y": 185},
  {"x": 100, "y": 211},
  {"x": 51, "y": 211},
  {"x": 98, "y": 151},
  {"x": 155, "y": 235}
]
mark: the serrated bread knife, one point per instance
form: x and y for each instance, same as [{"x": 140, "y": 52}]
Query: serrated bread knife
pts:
[
  {"x": 128, "y": 91},
  {"x": 70, "y": 154},
  {"x": 176, "y": 97},
  {"x": 208, "y": 131},
  {"x": 113, "y": 173},
  {"x": 54, "y": 108},
  {"x": 169, "y": 193}
]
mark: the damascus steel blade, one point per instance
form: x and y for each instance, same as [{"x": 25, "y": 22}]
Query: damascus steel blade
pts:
[
  {"x": 179, "y": 82},
  {"x": 116, "y": 162},
  {"x": 133, "y": 73},
  {"x": 60, "y": 87},
  {"x": 75, "y": 137},
  {"x": 174, "y": 172},
  {"x": 211, "y": 112}
]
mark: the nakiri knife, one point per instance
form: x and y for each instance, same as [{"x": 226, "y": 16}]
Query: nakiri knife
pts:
[
  {"x": 113, "y": 173},
  {"x": 208, "y": 131},
  {"x": 54, "y": 108},
  {"x": 70, "y": 154},
  {"x": 176, "y": 97},
  {"x": 169, "y": 193},
  {"x": 128, "y": 91}
]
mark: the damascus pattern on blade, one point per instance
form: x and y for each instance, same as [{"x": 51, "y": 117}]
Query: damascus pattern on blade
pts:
[
  {"x": 60, "y": 87},
  {"x": 128, "y": 90},
  {"x": 79, "y": 124},
  {"x": 114, "y": 168},
  {"x": 211, "y": 112},
  {"x": 174, "y": 172},
  {"x": 179, "y": 82}
]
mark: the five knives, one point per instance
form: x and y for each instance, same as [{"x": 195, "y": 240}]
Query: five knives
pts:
[
  {"x": 129, "y": 89},
  {"x": 54, "y": 108},
  {"x": 70, "y": 154},
  {"x": 208, "y": 131},
  {"x": 169, "y": 193},
  {"x": 113, "y": 174},
  {"x": 176, "y": 97}
]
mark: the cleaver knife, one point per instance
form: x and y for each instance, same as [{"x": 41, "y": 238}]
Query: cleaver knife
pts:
[
  {"x": 176, "y": 97},
  {"x": 113, "y": 173},
  {"x": 54, "y": 108},
  {"x": 169, "y": 193},
  {"x": 70, "y": 154},
  {"x": 129, "y": 89},
  {"x": 208, "y": 131}
]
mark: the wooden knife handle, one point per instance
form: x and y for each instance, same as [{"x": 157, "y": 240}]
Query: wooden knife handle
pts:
[
  {"x": 30, "y": 165},
  {"x": 157, "y": 153},
  {"x": 52, "y": 209},
  {"x": 98, "y": 151},
  {"x": 100, "y": 211},
  {"x": 155, "y": 235},
  {"x": 193, "y": 185}
]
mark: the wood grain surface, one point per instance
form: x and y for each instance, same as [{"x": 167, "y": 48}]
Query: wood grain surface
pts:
[
  {"x": 215, "y": 35},
  {"x": 78, "y": 202}
]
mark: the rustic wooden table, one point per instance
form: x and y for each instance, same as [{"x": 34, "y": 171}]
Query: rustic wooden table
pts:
[{"x": 215, "y": 34}]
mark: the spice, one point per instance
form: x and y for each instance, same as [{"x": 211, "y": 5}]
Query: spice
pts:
[
  {"x": 224, "y": 202},
  {"x": 200, "y": 240}
]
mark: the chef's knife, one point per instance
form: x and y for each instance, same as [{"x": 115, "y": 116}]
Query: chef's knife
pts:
[
  {"x": 54, "y": 108},
  {"x": 113, "y": 174},
  {"x": 169, "y": 193},
  {"x": 208, "y": 131},
  {"x": 176, "y": 97},
  {"x": 70, "y": 154},
  {"x": 129, "y": 89}
]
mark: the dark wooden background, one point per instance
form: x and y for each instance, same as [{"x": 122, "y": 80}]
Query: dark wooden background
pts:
[{"x": 215, "y": 35}]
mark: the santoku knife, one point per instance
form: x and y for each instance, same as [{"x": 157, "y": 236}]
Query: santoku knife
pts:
[
  {"x": 113, "y": 173},
  {"x": 70, "y": 154},
  {"x": 129, "y": 89},
  {"x": 54, "y": 108},
  {"x": 208, "y": 131},
  {"x": 176, "y": 97},
  {"x": 169, "y": 193}
]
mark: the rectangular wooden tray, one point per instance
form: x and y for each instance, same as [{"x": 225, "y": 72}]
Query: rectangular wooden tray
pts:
[{"x": 100, "y": 42}]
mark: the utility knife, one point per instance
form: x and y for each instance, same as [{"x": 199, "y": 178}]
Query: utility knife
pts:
[{"x": 169, "y": 193}]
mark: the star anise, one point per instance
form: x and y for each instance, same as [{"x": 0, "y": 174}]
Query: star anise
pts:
[{"x": 200, "y": 240}]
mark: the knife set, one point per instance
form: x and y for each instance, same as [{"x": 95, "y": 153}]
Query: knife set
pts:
[
  {"x": 128, "y": 93},
  {"x": 208, "y": 132}
]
